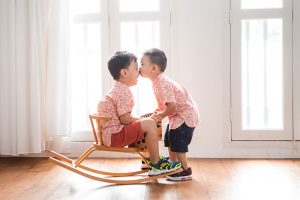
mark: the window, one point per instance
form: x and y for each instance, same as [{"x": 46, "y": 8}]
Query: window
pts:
[
  {"x": 262, "y": 74},
  {"x": 261, "y": 69},
  {"x": 138, "y": 25},
  {"x": 261, "y": 4},
  {"x": 137, "y": 37},
  {"x": 139, "y": 6},
  {"x": 88, "y": 36},
  {"x": 98, "y": 29}
]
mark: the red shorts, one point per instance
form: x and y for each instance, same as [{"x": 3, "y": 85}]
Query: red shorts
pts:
[{"x": 129, "y": 134}]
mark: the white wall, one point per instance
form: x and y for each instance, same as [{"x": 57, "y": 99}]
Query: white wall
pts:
[{"x": 200, "y": 62}]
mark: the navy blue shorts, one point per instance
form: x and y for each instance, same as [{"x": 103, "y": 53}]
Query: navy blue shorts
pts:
[{"x": 179, "y": 139}]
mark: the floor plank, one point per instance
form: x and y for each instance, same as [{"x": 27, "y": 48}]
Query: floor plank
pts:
[{"x": 213, "y": 179}]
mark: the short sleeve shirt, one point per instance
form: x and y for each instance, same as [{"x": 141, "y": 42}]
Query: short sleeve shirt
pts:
[
  {"x": 167, "y": 90},
  {"x": 118, "y": 101}
]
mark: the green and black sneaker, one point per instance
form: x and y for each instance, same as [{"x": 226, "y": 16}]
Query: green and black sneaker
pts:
[
  {"x": 146, "y": 165},
  {"x": 163, "y": 166}
]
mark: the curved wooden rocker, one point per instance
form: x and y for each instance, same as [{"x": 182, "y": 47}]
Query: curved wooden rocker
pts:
[{"x": 77, "y": 166}]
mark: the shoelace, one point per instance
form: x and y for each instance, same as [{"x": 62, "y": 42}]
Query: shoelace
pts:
[{"x": 166, "y": 165}]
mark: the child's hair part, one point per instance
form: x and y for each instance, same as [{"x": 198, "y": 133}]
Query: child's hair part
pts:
[
  {"x": 157, "y": 57},
  {"x": 120, "y": 60}
]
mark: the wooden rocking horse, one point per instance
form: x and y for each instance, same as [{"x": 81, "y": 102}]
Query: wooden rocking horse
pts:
[{"x": 109, "y": 177}]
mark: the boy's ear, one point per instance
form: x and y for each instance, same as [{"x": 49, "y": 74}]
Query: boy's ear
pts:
[
  {"x": 123, "y": 72},
  {"x": 154, "y": 67}
]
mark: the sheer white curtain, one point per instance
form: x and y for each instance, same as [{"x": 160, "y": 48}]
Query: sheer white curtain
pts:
[
  {"x": 58, "y": 114},
  {"x": 33, "y": 76}
]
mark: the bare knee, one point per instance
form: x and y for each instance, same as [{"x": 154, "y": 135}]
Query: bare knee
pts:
[{"x": 148, "y": 124}]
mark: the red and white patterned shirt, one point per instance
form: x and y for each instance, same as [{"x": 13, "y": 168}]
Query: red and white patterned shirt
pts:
[
  {"x": 118, "y": 101},
  {"x": 167, "y": 90}
]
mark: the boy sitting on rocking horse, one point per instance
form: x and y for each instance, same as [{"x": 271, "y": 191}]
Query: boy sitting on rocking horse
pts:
[{"x": 123, "y": 129}]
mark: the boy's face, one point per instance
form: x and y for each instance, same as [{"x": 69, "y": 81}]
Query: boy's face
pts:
[
  {"x": 132, "y": 73},
  {"x": 147, "y": 67}
]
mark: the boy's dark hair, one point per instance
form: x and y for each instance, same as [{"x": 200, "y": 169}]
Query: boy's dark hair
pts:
[
  {"x": 157, "y": 57},
  {"x": 120, "y": 60}
]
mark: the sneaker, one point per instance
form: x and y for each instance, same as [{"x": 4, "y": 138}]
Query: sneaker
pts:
[
  {"x": 146, "y": 165},
  {"x": 162, "y": 167},
  {"x": 181, "y": 176}
]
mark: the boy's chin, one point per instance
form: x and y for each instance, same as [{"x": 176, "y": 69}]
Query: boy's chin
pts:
[
  {"x": 133, "y": 84},
  {"x": 143, "y": 76}
]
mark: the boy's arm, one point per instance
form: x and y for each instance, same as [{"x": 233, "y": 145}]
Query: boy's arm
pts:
[
  {"x": 127, "y": 118},
  {"x": 168, "y": 111}
]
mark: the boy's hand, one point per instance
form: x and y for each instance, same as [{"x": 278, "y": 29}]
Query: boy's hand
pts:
[
  {"x": 127, "y": 118},
  {"x": 153, "y": 116},
  {"x": 156, "y": 117}
]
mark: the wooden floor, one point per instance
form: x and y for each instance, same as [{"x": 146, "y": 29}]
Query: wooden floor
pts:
[{"x": 214, "y": 179}]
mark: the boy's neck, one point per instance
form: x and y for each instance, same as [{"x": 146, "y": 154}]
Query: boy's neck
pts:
[
  {"x": 155, "y": 76},
  {"x": 123, "y": 81}
]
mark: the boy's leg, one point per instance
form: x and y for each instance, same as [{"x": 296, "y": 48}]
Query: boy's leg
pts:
[
  {"x": 149, "y": 127},
  {"x": 158, "y": 166},
  {"x": 172, "y": 155},
  {"x": 179, "y": 140},
  {"x": 178, "y": 156},
  {"x": 181, "y": 157}
]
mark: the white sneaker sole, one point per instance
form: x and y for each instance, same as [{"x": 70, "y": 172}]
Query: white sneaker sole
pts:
[{"x": 154, "y": 172}]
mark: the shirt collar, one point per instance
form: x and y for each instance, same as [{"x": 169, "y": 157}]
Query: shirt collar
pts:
[
  {"x": 121, "y": 85},
  {"x": 159, "y": 77}
]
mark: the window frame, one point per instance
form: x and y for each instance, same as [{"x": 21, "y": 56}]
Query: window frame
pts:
[
  {"x": 237, "y": 15},
  {"x": 102, "y": 18},
  {"x": 296, "y": 68},
  {"x": 111, "y": 19}
]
